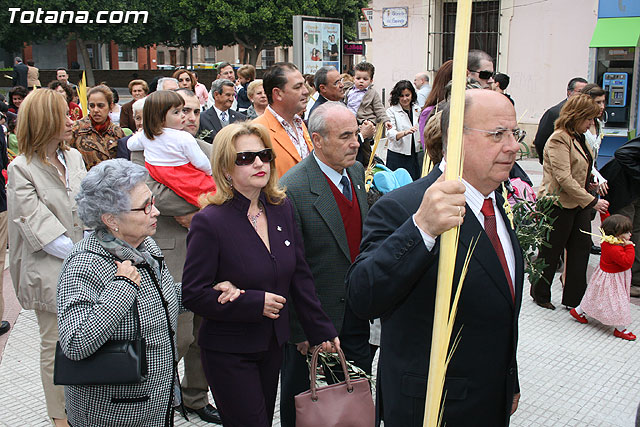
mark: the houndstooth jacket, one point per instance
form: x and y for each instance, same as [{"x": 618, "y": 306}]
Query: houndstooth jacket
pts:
[{"x": 95, "y": 306}]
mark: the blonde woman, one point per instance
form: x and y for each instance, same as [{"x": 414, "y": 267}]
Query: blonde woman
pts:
[
  {"x": 246, "y": 241},
  {"x": 43, "y": 220}
]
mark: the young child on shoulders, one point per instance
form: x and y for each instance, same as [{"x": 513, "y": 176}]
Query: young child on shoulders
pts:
[
  {"x": 362, "y": 99},
  {"x": 172, "y": 156},
  {"x": 608, "y": 297}
]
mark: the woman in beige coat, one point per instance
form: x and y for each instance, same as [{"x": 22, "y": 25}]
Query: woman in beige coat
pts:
[
  {"x": 567, "y": 164},
  {"x": 43, "y": 220}
]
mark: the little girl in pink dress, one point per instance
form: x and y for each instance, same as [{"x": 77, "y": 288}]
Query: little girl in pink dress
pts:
[{"x": 608, "y": 295}]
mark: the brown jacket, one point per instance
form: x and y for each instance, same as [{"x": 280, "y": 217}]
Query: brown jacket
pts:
[
  {"x": 126, "y": 116},
  {"x": 566, "y": 171},
  {"x": 93, "y": 146},
  {"x": 40, "y": 208},
  {"x": 371, "y": 107}
]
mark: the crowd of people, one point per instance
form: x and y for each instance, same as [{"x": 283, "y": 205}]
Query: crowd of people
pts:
[{"x": 231, "y": 228}]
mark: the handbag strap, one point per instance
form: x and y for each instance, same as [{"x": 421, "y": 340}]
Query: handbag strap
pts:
[{"x": 314, "y": 368}]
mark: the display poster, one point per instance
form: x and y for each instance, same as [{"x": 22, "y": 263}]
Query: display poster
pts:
[{"x": 321, "y": 45}]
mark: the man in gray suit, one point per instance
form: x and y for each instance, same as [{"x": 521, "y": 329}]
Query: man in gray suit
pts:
[
  {"x": 171, "y": 237},
  {"x": 221, "y": 114},
  {"x": 328, "y": 194}
]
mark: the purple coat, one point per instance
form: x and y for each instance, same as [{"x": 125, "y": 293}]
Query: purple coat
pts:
[{"x": 222, "y": 245}]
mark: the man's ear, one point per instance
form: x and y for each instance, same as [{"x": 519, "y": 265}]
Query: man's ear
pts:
[
  {"x": 277, "y": 94},
  {"x": 317, "y": 140}
]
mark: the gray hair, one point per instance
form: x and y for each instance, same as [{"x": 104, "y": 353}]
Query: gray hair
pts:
[
  {"x": 18, "y": 59},
  {"x": 444, "y": 119},
  {"x": 138, "y": 105},
  {"x": 165, "y": 79},
  {"x": 318, "y": 120},
  {"x": 475, "y": 57},
  {"x": 105, "y": 190},
  {"x": 217, "y": 85},
  {"x": 320, "y": 77}
]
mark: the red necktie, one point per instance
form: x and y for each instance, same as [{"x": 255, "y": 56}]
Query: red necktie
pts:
[{"x": 492, "y": 231}]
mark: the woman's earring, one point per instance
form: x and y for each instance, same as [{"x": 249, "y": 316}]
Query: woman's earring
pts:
[{"x": 116, "y": 229}]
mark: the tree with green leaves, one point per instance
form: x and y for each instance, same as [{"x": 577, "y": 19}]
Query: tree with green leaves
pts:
[{"x": 254, "y": 25}]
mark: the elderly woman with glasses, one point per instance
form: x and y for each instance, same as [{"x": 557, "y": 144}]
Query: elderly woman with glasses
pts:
[
  {"x": 568, "y": 159},
  {"x": 43, "y": 221},
  {"x": 246, "y": 241},
  {"x": 112, "y": 273}
]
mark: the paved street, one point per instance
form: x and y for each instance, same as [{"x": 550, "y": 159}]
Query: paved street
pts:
[{"x": 570, "y": 374}]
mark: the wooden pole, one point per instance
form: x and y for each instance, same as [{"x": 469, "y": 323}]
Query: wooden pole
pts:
[{"x": 449, "y": 240}]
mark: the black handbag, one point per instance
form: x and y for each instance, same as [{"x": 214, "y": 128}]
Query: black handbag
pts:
[{"x": 116, "y": 362}]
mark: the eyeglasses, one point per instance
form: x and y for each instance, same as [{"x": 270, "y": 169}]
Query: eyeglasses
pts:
[
  {"x": 484, "y": 74},
  {"x": 246, "y": 158},
  {"x": 497, "y": 135},
  {"x": 147, "y": 207}
]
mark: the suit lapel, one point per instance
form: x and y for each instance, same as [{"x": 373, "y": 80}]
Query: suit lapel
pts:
[
  {"x": 326, "y": 204},
  {"x": 517, "y": 252},
  {"x": 215, "y": 120},
  {"x": 484, "y": 252},
  {"x": 361, "y": 194}
]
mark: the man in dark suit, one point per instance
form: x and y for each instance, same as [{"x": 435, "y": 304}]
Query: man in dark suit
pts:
[
  {"x": 395, "y": 277},
  {"x": 329, "y": 85},
  {"x": 546, "y": 125},
  {"x": 173, "y": 225},
  {"x": 20, "y": 72},
  {"x": 330, "y": 203},
  {"x": 221, "y": 114}
]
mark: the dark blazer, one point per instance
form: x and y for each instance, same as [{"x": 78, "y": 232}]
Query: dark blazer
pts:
[
  {"x": 321, "y": 100},
  {"x": 395, "y": 277},
  {"x": 325, "y": 240},
  {"x": 126, "y": 116},
  {"x": 222, "y": 245},
  {"x": 546, "y": 127},
  {"x": 209, "y": 120},
  {"x": 20, "y": 72}
]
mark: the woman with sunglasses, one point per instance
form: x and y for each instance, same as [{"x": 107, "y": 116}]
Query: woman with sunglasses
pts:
[
  {"x": 245, "y": 241},
  {"x": 568, "y": 160},
  {"x": 43, "y": 221},
  {"x": 115, "y": 285}
]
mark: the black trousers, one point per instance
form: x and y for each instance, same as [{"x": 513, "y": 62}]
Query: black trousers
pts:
[
  {"x": 408, "y": 162},
  {"x": 294, "y": 376},
  {"x": 567, "y": 235}
]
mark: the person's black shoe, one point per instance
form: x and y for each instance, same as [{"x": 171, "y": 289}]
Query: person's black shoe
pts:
[
  {"x": 595, "y": 250},
  {"x": 208, "y": 414},
  {"x": 4, "y": 327}
]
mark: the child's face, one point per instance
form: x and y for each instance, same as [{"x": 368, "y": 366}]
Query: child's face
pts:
[
  {"x": 362, "y": 80},
  {"x": 174, "y": 118},
  {"x": 626, "y": 236},
  {"x": 242, "y": 80}
]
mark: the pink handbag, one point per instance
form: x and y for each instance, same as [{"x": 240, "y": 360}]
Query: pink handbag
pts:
[{"x": 345, "y": 404}]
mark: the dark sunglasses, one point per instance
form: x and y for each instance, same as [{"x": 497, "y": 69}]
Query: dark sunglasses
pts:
[
  {"x": 485, "y": 74},
  {"x": 246, "y": 158}
]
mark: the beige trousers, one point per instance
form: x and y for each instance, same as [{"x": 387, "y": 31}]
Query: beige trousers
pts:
[
  {"x": 53, "y": 394},
  {"x": 194, "y": 383}
]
